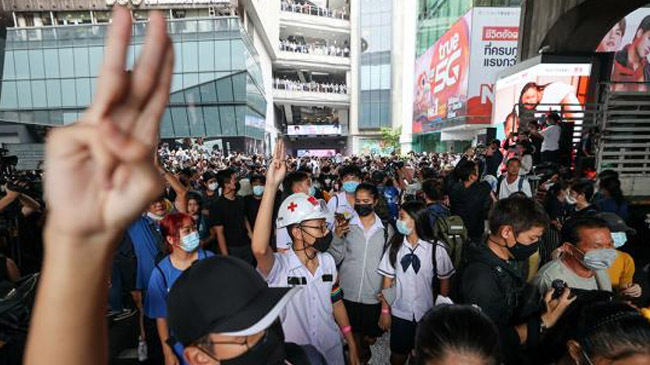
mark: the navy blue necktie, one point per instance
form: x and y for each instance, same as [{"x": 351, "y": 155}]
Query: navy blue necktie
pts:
[{"x": 410, "y": 259}]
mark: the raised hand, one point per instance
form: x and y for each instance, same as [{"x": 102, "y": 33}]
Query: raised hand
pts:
[
  {"x": 278, "y": 166},
  {"x": 100, "y": 172}
]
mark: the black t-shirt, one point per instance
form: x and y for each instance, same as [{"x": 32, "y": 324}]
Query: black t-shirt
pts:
[
  {"x": 471, "y": 204},
  {"x": 252, "y": 206},
  {"x": 231, "y": 215}
]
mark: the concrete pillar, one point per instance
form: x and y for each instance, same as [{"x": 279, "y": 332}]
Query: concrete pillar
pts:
[{"x": 355, "y": 55}]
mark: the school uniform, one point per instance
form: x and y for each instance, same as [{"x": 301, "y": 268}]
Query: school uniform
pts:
[
  {"x": 162, "y": 279},
  {"x": 358, "y": 255},
  {"x": 308, "y": 319},
  {"x": 413, "y": 273}
]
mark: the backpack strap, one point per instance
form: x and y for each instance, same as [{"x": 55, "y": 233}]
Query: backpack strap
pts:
[
  {"x": 500, "y": 180},
  {"x": 162, "y": 273},
  {"x": 521, "y": 182}
]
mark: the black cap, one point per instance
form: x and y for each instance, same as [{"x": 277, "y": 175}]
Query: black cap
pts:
[
  {"x": 209, "y": 175},
  {"x": 222, "y": 295},
  {"x": 615, "y": 222}
]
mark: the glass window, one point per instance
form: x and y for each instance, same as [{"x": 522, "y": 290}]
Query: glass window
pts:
[
  {"x": 228, "y": 121},
  {"x": 375, "y": 71},
  {"x": 212, "y": 120},
  {"x": 82, "y": 69},
  {"x": 39, "y": 94},
  {"x": 178, "y": 58},
  {"x": 51, "y": 63},
  {"x": 239, "y": 86},
  {"x": 21, "y": 59},
  {"x": 68, "y": 94},
  {"x": 208, "y": 92},
  {"x": 24, "y": 92},
  {"x": 166, "y": 127},
  {"x": 95, "y": 55},
  {"x": 224, "y": 91},
  {"x": 36, "y": 67},
  {"x": 179, "y": 118},
  {"x": 196, "y": 121},
  {"x": 238, "y": 55},
  {"x": 69, "y": 117},
  {"x": 83, "y": 91},
  {"x": 9, "y": 71},
  {"x": 177, "y": 82},
  {"x": 365, "y": 77},
  {"x": 67, "y": 63},
  {"x": 384, "y": 115},
  {"x": 222, "y": 56},
  {"x": 8, "y": 99},
  {"x": 385, "y": 78},
  {"x": 206, "y": 56},
  {"x": 190, "y": 79},
  {"x": 190, "y": 57},
  {"x": 240, "y": 112},
  {"x": 53, "y": 93}
]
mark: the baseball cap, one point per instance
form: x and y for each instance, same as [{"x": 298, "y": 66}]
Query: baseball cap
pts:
[
  {"x": 615, "y": 222},
  {"x": 222, "y": 295}
]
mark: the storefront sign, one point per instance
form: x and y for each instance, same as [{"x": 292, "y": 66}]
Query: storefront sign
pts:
[{"x": 166, "y": 2}]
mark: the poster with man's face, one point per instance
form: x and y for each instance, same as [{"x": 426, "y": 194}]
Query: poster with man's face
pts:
[{"x": 629, "y": 39}]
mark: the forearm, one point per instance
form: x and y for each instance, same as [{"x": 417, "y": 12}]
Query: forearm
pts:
[
  {"x": 6, "y": 201},
  {"x": 75, "y": 268},
  {"x": 221, "y": 240},
  {"x": 262, "y": 233},
  {"x": 341, "y": 318},
  {"x": 163, "y": 335},
  {"x": 444, "y": 288}
]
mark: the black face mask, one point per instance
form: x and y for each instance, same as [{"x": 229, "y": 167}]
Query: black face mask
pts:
[
  {"x": 364, "y": 210},
  {"x": 322, "y": 244},
  {"x": 268, "y": 350},
  {"x": 522, "y": 252}
]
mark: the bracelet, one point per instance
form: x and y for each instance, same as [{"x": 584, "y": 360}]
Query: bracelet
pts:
[
  {"x": 345, "y": 330},
  {"x": 385, "y": 311}
]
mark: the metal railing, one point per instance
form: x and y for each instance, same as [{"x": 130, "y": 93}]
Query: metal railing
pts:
[{"x": 310, "y": 9}]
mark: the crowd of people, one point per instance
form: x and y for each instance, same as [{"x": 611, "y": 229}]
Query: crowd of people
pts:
[
  {"x": 196, "y": 257},
  {"x": 315, "y": 49},
  {"x": 313, "y": 86},
  {"x": 304, "y": 7}
]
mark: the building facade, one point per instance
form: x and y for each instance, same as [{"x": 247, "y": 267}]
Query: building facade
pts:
[{"x": 52, "y": 55}]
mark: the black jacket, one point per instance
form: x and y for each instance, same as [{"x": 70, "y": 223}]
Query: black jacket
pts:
[{"x": 499, "y": 289}]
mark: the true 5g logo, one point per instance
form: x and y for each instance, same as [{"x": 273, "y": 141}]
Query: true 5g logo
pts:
[{"x": 448, "y": 69}]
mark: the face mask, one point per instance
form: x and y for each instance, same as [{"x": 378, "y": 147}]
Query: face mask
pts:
[
  {"x": 547, "y": 185},
  {"x": 571, "y": 200},
  {"x": 190, "y": 242},
  {"x": 619, "y": 239},
  {"x": 599, "y": 259},
  {"x": 258, "y": 190},
  {"x": 350, "y": 186},
  {"x": 522, "y": 252},
  {"x": 155, "y": 217},
  {"x": 213, "y": 186},
  {"x": 328, "y": 182},
  {"x": 268, "y": 350},
  {"x": 402, "y": 228},
  {"x": 312, "y": 190},
  {"x": 363, "y": 210},
  {"x": 322, "y": 244}
]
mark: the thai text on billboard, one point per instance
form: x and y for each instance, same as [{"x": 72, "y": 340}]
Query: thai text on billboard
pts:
[{"x": 314, "y": 130}]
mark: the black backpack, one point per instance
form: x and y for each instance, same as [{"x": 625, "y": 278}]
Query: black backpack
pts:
[
  {"x": 451, "y": 231},
  {"x": 16, "y": 307}
]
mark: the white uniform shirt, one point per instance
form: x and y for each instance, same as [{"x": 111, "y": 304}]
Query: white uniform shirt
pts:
[
  {"x": 339, "y": 204},
  {"x": 551, "y": 136},
  {"x": 505, "y": 189},
  {"x": 309, "y": 316},
  {"x": 413, "y": 295},
  {"x": 282, "y": 239}
]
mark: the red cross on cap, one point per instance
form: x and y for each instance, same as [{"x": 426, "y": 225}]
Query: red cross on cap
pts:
[{"x": 292, "y": 207}]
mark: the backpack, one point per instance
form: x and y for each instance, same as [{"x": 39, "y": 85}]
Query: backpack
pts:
[
  {"x": 16, "y": 307},
  {"x": 452, "y": 232},
  {"x": 520, "y": 185}
]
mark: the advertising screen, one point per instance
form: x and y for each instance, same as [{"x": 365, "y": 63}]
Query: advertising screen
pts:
[
  {"x": 530, "y": 93},
  {"x": 316, "y": 153},
  {"x": 314, "y": 130},
  {"x": 451, "y": 82},
  {"x": 630, "y": 40}
]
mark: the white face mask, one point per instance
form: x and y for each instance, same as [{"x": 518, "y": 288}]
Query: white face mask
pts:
[
  {"x": 571, "y": 200},
  {"x": 213, "y": 186}
]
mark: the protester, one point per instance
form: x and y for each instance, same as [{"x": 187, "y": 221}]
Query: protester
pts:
[
  {"x": 611, "y": 198},
  {"x": 456, "y": 334},
  {"x": 470, "y": 199},
  {"x": 551, "y": 138},
  {"x": 525, "y": 155},
  {"x": 195, "y": 210},
  {"x": 494, "y": 158},
  {"x": 492, "y": 279},
  {"x": 579, "y": 199},
  {"x": 313, "y": 314},
  {"x": 587, "y": 255},
  {"x": 357, "y": 248},
  {"x": 513, "y": 181},
  {"x": 182, "y": 246},
  {"x": 417, "y": 268},
  {"x": 342, "y": 204}
]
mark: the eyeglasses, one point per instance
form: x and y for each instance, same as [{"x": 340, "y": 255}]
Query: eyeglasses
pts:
[{"x": 323, "y": 227}]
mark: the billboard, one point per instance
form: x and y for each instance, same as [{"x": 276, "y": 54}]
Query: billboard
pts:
[
  {"x": 441, "y": 78},
  {"x": 316, "y": 153},
  {"x": 314, "y": 130},
  {"x": 528, "y": 94},
  {"x": 455, "y": 77},
  {"x": 630, "y": 40}
]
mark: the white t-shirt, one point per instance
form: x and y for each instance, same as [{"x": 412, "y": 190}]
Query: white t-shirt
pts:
[
  {"x": 551, "y": 136},
  {"x": 505, "y": 189}
]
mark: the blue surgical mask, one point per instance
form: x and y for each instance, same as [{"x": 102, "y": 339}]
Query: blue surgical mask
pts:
[
  {"x": 599, "y": 259},
  {"x": 350, "y": 186},
  {"x": 619, "y": 239},
  {"x": 190, "y": 242},
  {"x": 312, "y": 190},
  {"x": 402, "y": 228},
  {"x": 258, "y": 190}
]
